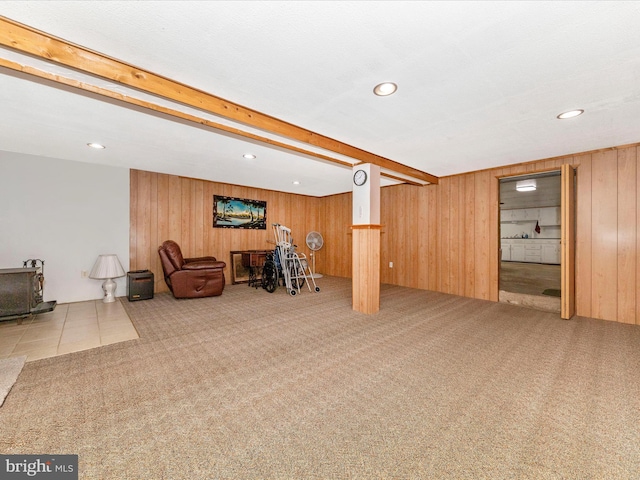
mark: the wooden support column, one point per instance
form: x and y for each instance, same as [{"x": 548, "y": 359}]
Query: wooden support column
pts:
[
  {"x": 366, "y": 238},
  {"x": 366, "y": 268}
]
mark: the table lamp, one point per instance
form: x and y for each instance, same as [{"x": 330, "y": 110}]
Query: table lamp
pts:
[{"x": 106, "y": 268}]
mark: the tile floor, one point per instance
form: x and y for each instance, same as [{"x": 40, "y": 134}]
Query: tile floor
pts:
[
  {"x": 71, "y": 327},
  {"x": 523, "y": 284},
  {"x": 529, "y": 278}
]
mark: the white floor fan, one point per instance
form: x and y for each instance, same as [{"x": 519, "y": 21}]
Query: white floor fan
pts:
[{"x": 314, "y": 242}]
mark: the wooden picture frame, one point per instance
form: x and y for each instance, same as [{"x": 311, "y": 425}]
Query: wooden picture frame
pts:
[{"x": 232, "y": 212}]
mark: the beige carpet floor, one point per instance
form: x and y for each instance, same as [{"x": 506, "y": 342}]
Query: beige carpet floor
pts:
[
  {"x": 255, "y": 385},
  {"x": 10, "y": 368}
]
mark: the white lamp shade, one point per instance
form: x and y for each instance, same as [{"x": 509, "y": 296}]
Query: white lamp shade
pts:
[{"x": 107, "y": 266}]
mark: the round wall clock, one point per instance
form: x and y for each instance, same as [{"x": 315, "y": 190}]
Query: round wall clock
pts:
[{"x": 360, "y": 177}]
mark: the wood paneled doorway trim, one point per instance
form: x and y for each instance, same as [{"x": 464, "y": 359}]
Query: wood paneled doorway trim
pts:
[
  {"x": 563, "y": 192},
  {"x": 568, "y": 242}
]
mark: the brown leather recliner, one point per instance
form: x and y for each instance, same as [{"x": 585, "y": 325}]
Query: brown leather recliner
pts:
[{"x": 190, "y": 277}]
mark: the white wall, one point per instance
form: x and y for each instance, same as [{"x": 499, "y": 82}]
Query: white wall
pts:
[{"x": 65, "y": 213}]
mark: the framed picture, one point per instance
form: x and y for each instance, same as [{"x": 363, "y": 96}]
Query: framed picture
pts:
[
  {"x": 239, "y": 273},
  {"x": 231, "y": 212}
]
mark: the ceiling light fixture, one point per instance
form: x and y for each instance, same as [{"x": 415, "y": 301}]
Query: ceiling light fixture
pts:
[
  {"x": 296, "y": 182},
  {"x": 570, "y": 114},
  {"x": 526, "y": 185},
  {"x": 384, "y": 89},
  {"x": 97, "y": 146},
  {"x": 249, "y": 156}
]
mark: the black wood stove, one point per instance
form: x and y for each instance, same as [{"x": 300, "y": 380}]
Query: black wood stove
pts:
[{"x": 21, "y": 291}]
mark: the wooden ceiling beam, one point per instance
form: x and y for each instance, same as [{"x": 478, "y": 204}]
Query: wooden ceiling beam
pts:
[
  {"x": 104, "y": 92},
  {"x": 401, "y": 179},
  {"x": 136, "y": 102},
  {"x": 39, "y": 44}
]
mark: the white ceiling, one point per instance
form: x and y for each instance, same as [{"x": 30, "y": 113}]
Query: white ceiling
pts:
[{"x": 480, "y": 83}]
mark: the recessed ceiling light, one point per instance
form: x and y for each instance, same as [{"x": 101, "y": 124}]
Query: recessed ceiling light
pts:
[
  {"x": 97, "y": 146},
  {"x": 249, "y": 156},
  {"x": 570, "y": 114},
  {"x": 296, "y": 182},
  {"x": 384, "y": 89}
]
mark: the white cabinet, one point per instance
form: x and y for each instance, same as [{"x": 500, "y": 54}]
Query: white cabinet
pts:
[
  {"x": 511, "y": 215},
  {"x": 550, "y": 216},
  {"x": 531, "y": 250},
  {"x": 507, "y": 215},
  {"x": 520, "y": 215},
  {"x": 531, "y": 214},
  {"x": 551, "y": 253},
  {"x": 517, "y": 252}
]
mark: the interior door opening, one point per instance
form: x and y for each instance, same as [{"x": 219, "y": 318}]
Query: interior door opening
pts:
[{"x": 530, "y": 240}]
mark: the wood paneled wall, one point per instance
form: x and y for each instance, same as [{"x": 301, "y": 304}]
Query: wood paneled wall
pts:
[
  {"x": 167, "y": 207},
  {"x": 335, "y": 225},
  {"x": 441, "y": 237},
  {"x": 445, "y": 237},
  {"x": 608, "y": 235}
]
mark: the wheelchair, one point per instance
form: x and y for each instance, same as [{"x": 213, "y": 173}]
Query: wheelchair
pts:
[{"x": 286, "y": 266}]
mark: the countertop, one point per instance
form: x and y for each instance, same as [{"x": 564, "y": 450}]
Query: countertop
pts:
[{"x": 531, "y": 239}]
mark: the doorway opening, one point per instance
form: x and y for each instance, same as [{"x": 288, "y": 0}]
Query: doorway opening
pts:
[{"x": 530, "y": 230}]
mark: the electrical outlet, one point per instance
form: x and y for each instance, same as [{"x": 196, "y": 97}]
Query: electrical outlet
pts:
[
  {"x": 390, "y": 264},
  {"x": 84, "y": 274}
]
